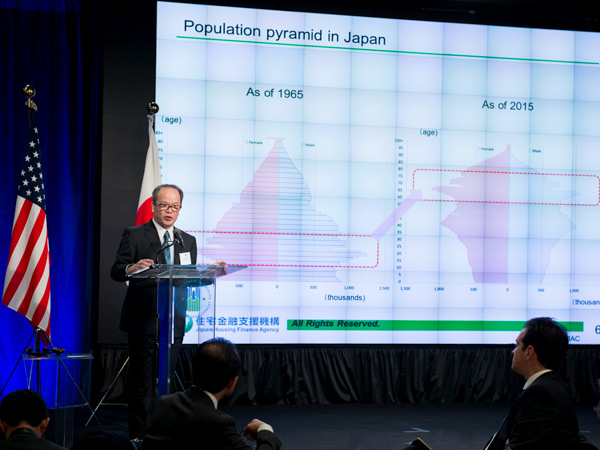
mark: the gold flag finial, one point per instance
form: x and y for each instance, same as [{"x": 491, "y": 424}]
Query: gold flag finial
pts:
[
  {"x": 152, "y": 108},
  {"x": 29, "y": 92}
]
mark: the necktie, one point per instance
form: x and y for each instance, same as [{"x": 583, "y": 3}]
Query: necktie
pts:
[{"x": 166, "y": 239}]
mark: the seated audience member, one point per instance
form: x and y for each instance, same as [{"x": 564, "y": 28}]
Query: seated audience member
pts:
[
  {"x": 191, "y": 419},
  {"x": 543, "y": 416},
  {"x": 24, "y": 419}
]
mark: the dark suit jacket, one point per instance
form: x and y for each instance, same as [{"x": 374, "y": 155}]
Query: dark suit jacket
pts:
[
  {"x": 139, "y": 307},
  {"x": 26, "y": 439},
  {"x": 189, "y": 420},
  {"x": 542, "y": 417}
]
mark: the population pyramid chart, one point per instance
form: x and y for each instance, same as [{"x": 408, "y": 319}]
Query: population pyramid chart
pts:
[
  {"x": 276, "y": 231},
  {"x": 382, "y": 180},
  {"x": 498, "y": 183}
]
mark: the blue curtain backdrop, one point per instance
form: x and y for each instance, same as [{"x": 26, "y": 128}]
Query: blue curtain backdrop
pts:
[{"x": 54, "y": 46}]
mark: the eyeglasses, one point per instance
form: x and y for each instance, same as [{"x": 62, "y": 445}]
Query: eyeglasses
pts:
[{"x": 166, "y": 207}]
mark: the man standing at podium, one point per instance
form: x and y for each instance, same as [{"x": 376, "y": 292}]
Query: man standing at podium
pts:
[{"x": 157, "y": 241}]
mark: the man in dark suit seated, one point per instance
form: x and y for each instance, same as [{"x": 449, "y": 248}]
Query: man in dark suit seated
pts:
[
  {"x": 191, "y": 419},
  {"x": 543, "y": 416},
  {"x": 24, "y": 419}
]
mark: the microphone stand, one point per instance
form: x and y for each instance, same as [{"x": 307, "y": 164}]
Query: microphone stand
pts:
[
  {"x": 177, "y": 239},
  {"x": 162, "y": 249}
]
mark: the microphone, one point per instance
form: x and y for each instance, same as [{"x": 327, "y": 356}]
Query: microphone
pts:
[{"x": 179, "y": 239}]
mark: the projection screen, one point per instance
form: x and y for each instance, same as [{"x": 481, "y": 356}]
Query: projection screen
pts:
[{"x": 383, "y": 180}]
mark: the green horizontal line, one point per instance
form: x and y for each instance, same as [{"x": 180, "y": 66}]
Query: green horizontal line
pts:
[
  {"x": 417, "y": 325},
  {"x": 452, "y": 55}
]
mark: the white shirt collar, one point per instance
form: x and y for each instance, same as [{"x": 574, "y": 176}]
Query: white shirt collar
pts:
[
  {"x": 161, "y": 230},
  {"x": 534, "y": 377},
  {"x": 212, "y": 397}
]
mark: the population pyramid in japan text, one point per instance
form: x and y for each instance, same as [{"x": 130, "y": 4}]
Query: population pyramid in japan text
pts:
[{"x": 276, "y": 231}]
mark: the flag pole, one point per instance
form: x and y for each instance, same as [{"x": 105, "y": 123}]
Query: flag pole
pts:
[
  {"x": 151, "y": 177},
  {"x": 29, "y": 92}
]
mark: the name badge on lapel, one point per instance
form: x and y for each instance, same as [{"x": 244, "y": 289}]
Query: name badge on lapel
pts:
[{"x": 185, "y": 258}]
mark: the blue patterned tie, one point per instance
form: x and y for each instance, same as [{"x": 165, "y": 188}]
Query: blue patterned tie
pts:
[{"x": 166, "y": 239}]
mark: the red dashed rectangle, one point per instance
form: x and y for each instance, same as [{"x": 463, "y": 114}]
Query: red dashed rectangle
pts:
[{"x": 507, "y": 187}]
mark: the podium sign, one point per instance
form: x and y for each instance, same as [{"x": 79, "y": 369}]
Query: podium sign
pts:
[{"x": 186, "y": 302}]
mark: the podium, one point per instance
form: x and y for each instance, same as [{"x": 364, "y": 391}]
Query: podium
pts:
[{"x": 186, "y": 306}]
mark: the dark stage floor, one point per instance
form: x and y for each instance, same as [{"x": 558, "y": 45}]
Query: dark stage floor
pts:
[{"x": 366, "y": 427}]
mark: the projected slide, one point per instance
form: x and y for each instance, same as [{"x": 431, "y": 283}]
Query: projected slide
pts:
[{"x": 384, "y": 181}]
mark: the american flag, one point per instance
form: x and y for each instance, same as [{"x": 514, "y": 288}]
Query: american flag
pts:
[{"x": 27, "y": 282}]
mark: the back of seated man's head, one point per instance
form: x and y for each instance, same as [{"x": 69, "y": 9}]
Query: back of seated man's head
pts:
[
  {"x": 549, "y": 340},
  {"x": 215, "y": 363},
  {"x": 24, "y": 406}
]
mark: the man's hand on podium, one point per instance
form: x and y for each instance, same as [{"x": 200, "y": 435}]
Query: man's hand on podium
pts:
[
  {"x": 141, "y": 264},
  {"x": 221, "y": 270}
]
